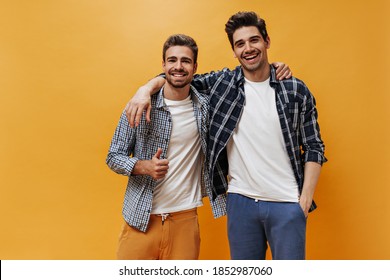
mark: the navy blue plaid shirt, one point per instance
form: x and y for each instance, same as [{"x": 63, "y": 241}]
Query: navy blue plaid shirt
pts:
[
  {"x": 129, "y": 145},
  {"x": 297, "y": 114}
]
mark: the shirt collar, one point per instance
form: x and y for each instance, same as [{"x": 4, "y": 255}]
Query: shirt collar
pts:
[
  {"x": 241, "y": 78},
  {"x": 240, "y": 75},
  {"x": 273, "y": 79},
  {"x": 160, "y": 98}
]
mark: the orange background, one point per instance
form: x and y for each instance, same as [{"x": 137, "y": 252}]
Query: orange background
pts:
[{"x": 67, "y": 69}]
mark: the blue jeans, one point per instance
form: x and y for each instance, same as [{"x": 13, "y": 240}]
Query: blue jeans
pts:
[{"x": 251, "y": 224}]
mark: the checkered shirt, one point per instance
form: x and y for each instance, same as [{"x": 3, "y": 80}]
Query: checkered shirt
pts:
[
  {"x": 297, "y": 112},
  {"x": 129, "y": 145}
]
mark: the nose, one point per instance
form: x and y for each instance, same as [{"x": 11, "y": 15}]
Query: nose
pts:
[
  {"x": 248, "y": 46},
  {"x": 178, "y": 65}
]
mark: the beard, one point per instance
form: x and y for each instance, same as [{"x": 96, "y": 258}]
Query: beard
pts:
[{"x": 180, "y": 84}]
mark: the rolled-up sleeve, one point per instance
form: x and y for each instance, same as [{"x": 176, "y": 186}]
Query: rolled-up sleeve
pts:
[{"x": 312, "y": 145}]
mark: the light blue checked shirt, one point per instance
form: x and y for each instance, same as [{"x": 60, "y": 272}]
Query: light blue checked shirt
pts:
[{"x": 129, "y": 145}]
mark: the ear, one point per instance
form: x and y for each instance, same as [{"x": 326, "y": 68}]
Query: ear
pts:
[
  {"x": 195, "y": 67},
  {"x": 268, "y": 42},
  {"x": 163, "y": 65},
  {"x": 234, "y": 55}
]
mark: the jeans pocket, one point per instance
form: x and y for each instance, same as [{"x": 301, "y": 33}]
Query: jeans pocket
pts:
[{"x": 302, "y": 213}]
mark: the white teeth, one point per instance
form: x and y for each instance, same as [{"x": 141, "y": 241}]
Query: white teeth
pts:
[{"x": 250, "y": 57}]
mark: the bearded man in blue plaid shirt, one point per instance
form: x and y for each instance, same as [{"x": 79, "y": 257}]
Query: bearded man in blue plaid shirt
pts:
[{"x": 264, "y": 146}]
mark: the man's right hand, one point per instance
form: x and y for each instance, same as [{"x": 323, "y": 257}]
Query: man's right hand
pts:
[{"x": 156, "y": 168}]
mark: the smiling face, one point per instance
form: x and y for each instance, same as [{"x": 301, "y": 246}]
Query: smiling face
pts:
[
  {"x": 179, "y": 66},
  {"x": 251, "y": 51}
]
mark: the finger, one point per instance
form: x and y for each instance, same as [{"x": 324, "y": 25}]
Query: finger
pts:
[
  {"x": 279, "y": 71},
  {"x": 131, "y": 115},
  {"x": 162, "y": 168},
  {"x": 160, "y": 174},
  {"x": 148, "y": 113},
  {"x": 138, "y": 116},
  {"x": 278, "y": 66},
  {"x": 128, "y": 110},
  {"x": 284, "y": 73},
  {"x": 163, "y": 173},
  {"x": 163, "y": 162},
  {"x": 280, "y": 76},
  {"x": 158, "y": 153}
]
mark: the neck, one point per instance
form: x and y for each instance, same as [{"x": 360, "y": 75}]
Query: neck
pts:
[
  {"x": 258, "y": 75},
  {"x": 173, "y": 93}
]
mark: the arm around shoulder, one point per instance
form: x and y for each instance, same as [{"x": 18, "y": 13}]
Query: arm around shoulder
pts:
[{"x": 204, "y": 82}]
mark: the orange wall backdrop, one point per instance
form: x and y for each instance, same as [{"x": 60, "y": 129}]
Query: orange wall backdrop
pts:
[{"x": 67, "y": 69}]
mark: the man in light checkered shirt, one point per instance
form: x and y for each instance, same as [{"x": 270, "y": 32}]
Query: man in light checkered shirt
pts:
[{"x": 165, "y": 162}]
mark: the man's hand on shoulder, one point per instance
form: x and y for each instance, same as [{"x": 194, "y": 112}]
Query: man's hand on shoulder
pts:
[
  {"x": 282, "y": 71},
  {"x": 141, "y": 101},
  {"x": 136, "y": 105}
]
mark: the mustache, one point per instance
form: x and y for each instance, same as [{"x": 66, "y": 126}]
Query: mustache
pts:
[{"x": 178, "y": 71}]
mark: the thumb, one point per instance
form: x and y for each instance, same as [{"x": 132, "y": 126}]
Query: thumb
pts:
[{"x": 158, "y": 154}]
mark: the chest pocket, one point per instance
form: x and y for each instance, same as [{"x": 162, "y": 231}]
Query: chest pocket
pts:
[{"x": 150, "y": 139}]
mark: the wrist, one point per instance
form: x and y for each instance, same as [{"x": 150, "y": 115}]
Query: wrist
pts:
[
  {"x": 148, "y": 88},
  {"x": 139, "y": 168}
]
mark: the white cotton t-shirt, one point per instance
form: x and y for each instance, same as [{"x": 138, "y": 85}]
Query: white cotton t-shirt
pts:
[
  {"x": 259, "y": 166},
  {"x": 181, "y": 188}
]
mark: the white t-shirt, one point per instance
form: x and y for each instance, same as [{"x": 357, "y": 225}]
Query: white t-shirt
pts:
[
  {"x": 259, "y": 166},
  {"x": 181, "y": 188}
]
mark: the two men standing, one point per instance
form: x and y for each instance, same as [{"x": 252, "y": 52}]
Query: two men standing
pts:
[{"x": 264, "y": 149}]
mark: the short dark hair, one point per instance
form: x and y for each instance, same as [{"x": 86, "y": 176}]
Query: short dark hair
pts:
[
  {"x": 242, "y": 19},
  {"x": 181, "y": 40}
]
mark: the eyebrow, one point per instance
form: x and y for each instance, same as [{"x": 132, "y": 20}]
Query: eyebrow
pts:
[
  {"x": 182, "y": 58},
  {"x": 252, "y": 37}
]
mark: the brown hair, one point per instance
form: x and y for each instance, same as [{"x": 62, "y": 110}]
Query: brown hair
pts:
[
  {"x": 181, "y": 40},
  {"x": 242, "y": 19}
]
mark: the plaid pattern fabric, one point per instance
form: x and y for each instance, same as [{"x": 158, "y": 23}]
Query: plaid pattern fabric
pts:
[
  {"x": 129, "y": 145},
  {"x": 297, "y": 114}
]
